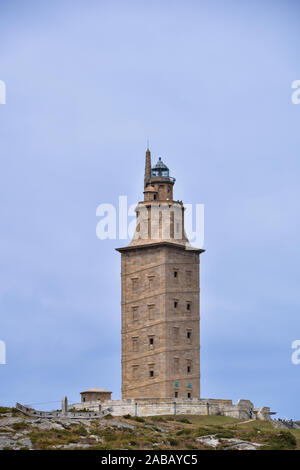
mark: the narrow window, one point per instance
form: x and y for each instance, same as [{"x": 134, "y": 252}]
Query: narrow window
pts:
[
  {"x": 188, "y": 306},
  {"x": 135, "y": 345},
  {"x": 161, "y": 192},
  {"x": 151, "y": 373},
  {"x": 176, "y": 334},
  {"x": 150, "y": 282},
  {"x": 175, "y": 304},
  {"x": 135, "y": 313},
  {"x": 151, "y": 312},
  {"x": 135, "y": 370},
  {"x": 175, "y": 273},
  {"x": 154, "y": 197},
  {"x": 189, "y": 395},
  {"x": 189, "y": 336},
  {"x": 176, "y": 394}
]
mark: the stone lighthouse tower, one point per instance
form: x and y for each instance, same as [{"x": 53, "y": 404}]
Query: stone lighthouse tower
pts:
[{"x": 160, "y": 297}]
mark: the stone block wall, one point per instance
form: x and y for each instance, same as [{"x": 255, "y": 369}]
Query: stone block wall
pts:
[
  {"x": 243, "y": 409},
  {"x": 160, "y": 323}
]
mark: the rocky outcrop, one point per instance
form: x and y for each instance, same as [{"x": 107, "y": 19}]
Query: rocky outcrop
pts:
[
  {"x": 14, "y": 442},
  {"x": 227, "y": 443}
]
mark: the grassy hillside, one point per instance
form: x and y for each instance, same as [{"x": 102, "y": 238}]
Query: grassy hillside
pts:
[{"x": 163, "y": 432}]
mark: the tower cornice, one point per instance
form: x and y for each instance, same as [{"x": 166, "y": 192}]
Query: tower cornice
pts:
[{"x": 160, "y": 243}]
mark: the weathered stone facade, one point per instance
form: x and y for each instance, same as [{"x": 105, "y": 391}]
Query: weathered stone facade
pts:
[
  {"x": 95, "y": 394},
  {"x": 160, "y": 298},
  {"x": 160, "y": 323}
]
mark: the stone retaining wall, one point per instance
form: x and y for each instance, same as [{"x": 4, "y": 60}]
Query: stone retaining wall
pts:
[
  {"x": 243, "y": 409},
  {"x": 91, "y": 414}
]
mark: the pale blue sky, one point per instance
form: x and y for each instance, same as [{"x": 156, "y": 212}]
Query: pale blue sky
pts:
[{"x": 209, "y": 82}]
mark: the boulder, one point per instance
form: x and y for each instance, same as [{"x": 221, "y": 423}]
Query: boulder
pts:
[
  {"x": 228, "y": 443},
  {"x": 119, "y": 425}
]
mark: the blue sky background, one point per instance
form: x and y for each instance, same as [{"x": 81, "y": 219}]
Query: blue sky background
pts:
[{"x": 209, "y": 82}]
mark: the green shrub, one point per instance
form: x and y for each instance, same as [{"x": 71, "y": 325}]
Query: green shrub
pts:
[
  {"x": 109, "y": 436},
  {"x": 4, "y": 409},
  {"x": 184, "y": 420},
  {"x": 59, "y": 433},
  {"x": 189, "y": 446},
  {"x": 183, "y": 431},
  {"x": 202, "y": 432},
  {"x": 20, "y": 426},
  {"x": 81, "y": 431},
  {"x": 173, "y": 442},
  {"x": 133, "y": 443},
  {"x": 155, "y": 428},
  {"x": 158, "y": 418},
  {"x": 225, "y": 434},
  {"x": 139, "y": 419},
  {"x": 282, "y": 440}
]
